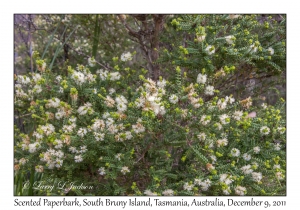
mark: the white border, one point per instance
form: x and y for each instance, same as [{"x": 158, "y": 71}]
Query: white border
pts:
[{"x": 154, "y": 6}]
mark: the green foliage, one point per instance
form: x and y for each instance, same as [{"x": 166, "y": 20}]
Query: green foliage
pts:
[{"x": 117, "y": 133}]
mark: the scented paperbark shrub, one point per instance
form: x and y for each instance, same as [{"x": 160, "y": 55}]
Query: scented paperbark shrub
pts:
[
  {"x": 154, "y": 138},
  {"x": 114, "y": 131}
]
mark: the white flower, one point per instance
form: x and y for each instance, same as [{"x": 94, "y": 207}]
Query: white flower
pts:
[
  {"x": 161, "y": 83},
  {"x": 23, "y": 80},
  {"x": 109, "y": 102},
  {"x": 222, "y": 142},
  {"x": 256, "y": 149},
  {"x": 138, "y": 128},
  {"x": 253, "y": 48},
  {"x": 213, "y": 158},
  {"x": 83, "y": 149},
  {"x": 118, "y": 156},
  {"x": 264, "y": 130},
  {"x": 58, "y": 78},
  {"x": 277, "y": 146},
  {"x": 188, "y": 186},
  {"x": 221, "y": 104},
  {"x": 247, "y": 157},
  {"x": 61, "y": 90},
  {"x": 58, "y": 153},
  {"x": 90, "y": 78},
  {"x": 237, "y": 115},
  {"x": 73, "y": 150},
  {"x": 205, "y": 119},
  {"x": 224, "y": 118},
  {"x": 91, "y": 62},
  {"x": 201, "y": 136},
  {"x": 78, "y": 77},
  {"x": 218, "y": 125},
  {"x": 98, "y": 125},
  {"x": 109, "y": 121},
  {"x": 128, "y": 135},
  {"x": 276, "y": 166},
  {"x": 36, "y": 77},
  {"x": 201, "y": 38},
  {"x": 39, "y": 168},
  {"x": 37, "y": 89},
  {"x": 173, "y": 99},
  {"x": 210, "y": 49},
  {"x": 126, "y": 56},
  {"x": 78, "y": 158},
  {"x": 209, "y": 90},
  {"x": 235, "y": 152},
  {"x": 226, "y": 192},
  {"x": 168, "y": 192},
  {"x": 121, "y": 107},
  {"x": 58, "y": 163},
  {"x": 22, "y": 161},
  {"x": 150, "y": 193},
  {"x": 279, "y": 175},
  {"x": 48, "y": 129},
  {"x": 81, "y": 132},
  {"x": 58, "y": 144},
  {"x": 115, "y": 76},
  {"x": 125, "y": 170},
  {"x": 271, "y": 50},
  {"x": 256, "y": 176},
  {"x": 105, "y": 115},
  {"x": 99, "y": 136},
  {"x": 37, "y": 135},
  {"x": 102, "y": 171},
  {"x": 60, "y": 114},
  {"x": 233, "y": 16},
  {"x": 112, "y": 129},
  {"x": 33, "y": 147},
  {"x": 281, "y": 130},
  {"x": 226, "y": 178},
  {"x": 103, "y": 74},
  {"x": 229, "y": 99},
  {"x": 229, "y": 39},
  {"x": 239, "y": 190},
  {"x": 205, "y": 185},
  {"x": 68, "y": 128},
  {"x": 247, "y": 169},
  {"x": 54, "y": 102},
  {"x": 111, "y": 91},
  {"x": 264, "y": 106},
  {"x": 201, "y": 78}
]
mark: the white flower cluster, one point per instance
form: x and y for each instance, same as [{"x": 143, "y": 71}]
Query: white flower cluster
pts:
[
  {"x": 138, "y": 127},
  {"x": 201, "y": 78},
  {"x": 126, "y": 56},
  {"x": 203, "y": 184},
  {"x": 168, "y": 192},
  {"x": 188, "y": 186},
  {"x": 151, "y": 99},
  {"x": 239, "y": 190},
  {"x": 125, "y": 170},
  {"x": 112, "y": 76},
  {"x": 222, "y": 142},
  {"x": 193, "y": 97},
  {"x": 222, "y": 103},
  {"x": 92, "y": 62},
  {"x": 85, "y": 109},
  {"x": 264, "y": 130},
  {"x": 121, "y": 103},
  {"x": 150, "y": 193},
  {"x": 53, "y": 158}
]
